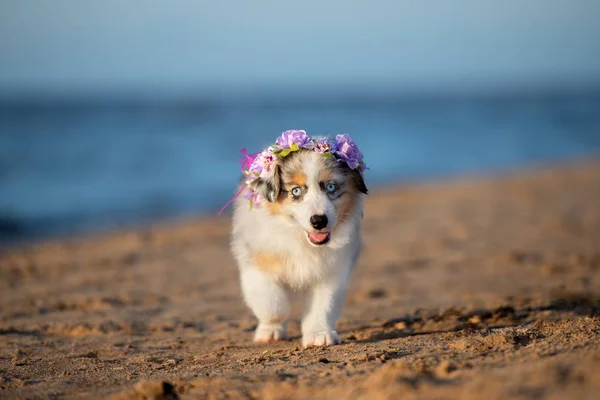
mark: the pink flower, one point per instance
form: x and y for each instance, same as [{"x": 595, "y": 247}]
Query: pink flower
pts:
[
  {"x": 247, "y": 160},
  {"x": 265, "y": 160}
]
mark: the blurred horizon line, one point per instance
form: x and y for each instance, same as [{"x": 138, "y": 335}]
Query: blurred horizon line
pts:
[{"x": 289, "y": 95}]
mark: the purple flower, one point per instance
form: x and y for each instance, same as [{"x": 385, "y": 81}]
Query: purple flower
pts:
[
  {"x": 256, "y": 168},
  {"x": 300, "y": 138},
  {"x": 324, "y": 145},
  {"x": 347, "y": 151},
  {"x": 254, "y": 197}
]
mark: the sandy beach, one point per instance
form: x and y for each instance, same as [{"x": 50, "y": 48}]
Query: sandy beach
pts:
[{"x": 483, "y": 287}]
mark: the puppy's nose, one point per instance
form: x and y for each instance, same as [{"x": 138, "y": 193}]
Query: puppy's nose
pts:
[{"x": 319, "y": 221}]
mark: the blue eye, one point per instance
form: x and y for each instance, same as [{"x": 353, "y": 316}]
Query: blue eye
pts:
[
  {"x": 331, "y": 187},
  {"x": 296, "y": 191}
]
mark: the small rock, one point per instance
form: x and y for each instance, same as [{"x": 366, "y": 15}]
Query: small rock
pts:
[
  {"x": 156, "y": 390},
  {"x": 324, "y": 360},
  {"x": 149, "y": 390},
  {"x": 377, "y": 293},
  {"x": 445, "y": 368},
  {"x": 548, "y": 269},
  {"x": 400, "y": 325},
  {"x": 18, "y": 358}
]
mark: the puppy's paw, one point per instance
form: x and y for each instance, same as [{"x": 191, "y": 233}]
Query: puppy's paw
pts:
[
  {"x": 320, "y": 338},
  {"x": 266, "y": 333}
]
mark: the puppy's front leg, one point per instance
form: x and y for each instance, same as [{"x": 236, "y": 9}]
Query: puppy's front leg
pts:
[
  {"x": 269, "y": 303},
  {"x": 323, "y": 308}
]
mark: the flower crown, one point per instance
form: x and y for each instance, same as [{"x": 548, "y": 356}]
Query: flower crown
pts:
[{"x": 260, "y": 165}]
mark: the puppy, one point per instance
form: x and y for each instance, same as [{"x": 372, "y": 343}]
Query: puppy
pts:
[{"x": 303, "y": 237}]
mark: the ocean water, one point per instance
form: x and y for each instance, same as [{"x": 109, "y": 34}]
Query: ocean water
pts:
[{"x": 70, "y": 167}]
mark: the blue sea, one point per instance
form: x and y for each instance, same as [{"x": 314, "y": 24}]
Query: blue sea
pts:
[{"x": 71, "y": 166}]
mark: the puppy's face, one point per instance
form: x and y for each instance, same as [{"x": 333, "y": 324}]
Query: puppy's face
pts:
[{"x": 313, "y": 191}]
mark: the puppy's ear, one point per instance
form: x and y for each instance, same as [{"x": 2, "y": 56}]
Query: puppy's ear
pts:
[
  {"x": 269, "y": 188},
  {"x": 360, "y": 182}
]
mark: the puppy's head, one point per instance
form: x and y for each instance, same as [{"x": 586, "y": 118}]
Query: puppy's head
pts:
[{"x": 315, "y": 192}]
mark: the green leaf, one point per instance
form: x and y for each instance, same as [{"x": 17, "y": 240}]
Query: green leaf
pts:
[
  {"x": 284, "y": 152},
  {"x": 250, "y": 201},
  {"x": 327, "y": 154},
  {"x": 294, "y": 147}
]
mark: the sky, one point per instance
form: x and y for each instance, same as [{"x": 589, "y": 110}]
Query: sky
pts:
[{"x": 90, "y": 46}]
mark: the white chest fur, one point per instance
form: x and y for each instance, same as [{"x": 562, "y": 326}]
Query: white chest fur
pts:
[{"x": 280, "y": 249}]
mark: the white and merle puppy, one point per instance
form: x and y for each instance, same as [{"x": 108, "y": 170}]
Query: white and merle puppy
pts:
[{"x": 304, "y": 237}]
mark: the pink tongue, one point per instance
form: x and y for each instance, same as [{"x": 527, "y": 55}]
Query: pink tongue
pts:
[{"x": 318, "y": 236}]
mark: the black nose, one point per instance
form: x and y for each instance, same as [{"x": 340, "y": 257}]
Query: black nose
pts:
[{"x": 319, "y": 221}]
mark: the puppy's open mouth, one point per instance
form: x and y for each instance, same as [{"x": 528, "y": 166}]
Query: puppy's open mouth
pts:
[{"x": 319, "y": 237}]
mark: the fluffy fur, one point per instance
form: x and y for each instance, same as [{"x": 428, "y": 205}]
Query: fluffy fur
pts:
[{"x": 275, "y": 256}]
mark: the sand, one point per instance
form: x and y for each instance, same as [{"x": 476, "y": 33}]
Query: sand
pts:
[{"x": 484, "y": 287}]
